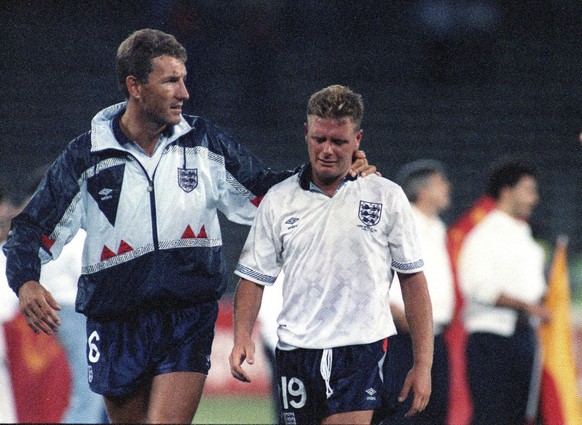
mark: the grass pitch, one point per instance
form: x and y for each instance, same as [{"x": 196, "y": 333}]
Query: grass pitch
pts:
[{"x": 235, "y": 410}]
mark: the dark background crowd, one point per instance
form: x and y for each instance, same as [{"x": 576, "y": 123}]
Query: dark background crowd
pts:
[{"x": 464, "y": 82}]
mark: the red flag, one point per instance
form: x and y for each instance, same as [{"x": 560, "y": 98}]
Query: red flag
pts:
[
  {"x": 39, "y": 371},
  {"x": 559, "y": 399},
  {"x": 460, "y": 405}
]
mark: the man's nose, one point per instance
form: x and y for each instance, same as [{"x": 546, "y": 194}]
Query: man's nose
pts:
[
  {"x": 183, "y": 92},
  {"x": 327, "y": 147}
]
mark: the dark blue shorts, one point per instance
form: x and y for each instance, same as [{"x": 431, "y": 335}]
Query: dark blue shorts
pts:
[
  {"x": 124, "y": 355},
  {"x": 315, "y": 384}
]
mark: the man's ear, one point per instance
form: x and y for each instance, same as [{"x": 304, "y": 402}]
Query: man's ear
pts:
[
  {"x": 132, "y": 84},
  {"x": 359, "y": 136}
]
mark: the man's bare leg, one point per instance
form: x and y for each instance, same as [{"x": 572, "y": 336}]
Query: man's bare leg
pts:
[
  {"x": 131, "y": 409},
  {"x": 174, "y": 397}
]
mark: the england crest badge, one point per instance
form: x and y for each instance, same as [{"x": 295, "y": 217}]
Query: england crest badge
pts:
[
  {"x": 370, "y": 213},
  {"x": 188, "y": 178}
]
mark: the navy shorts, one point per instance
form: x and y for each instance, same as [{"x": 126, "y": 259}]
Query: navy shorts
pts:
[
  {"x": 315, "y": 384},
  {"x": 124, "y": 355}
]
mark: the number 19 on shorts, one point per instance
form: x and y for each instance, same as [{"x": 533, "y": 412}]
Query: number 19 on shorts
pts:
[{"x": 293, "y": 393}]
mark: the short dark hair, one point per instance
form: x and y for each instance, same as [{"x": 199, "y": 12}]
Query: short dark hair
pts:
[
  {"x": 415, "y": 175},
  {"x": 337, "y": 102},
  {"x": 507, "y": 173},
  {"x": 135, "y": 54}
]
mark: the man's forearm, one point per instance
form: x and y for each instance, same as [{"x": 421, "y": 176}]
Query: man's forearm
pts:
[
  {"x": 530, "y": 309},
  {"x": 419, "y": 316},
  {"x": 247, "y": 303}
]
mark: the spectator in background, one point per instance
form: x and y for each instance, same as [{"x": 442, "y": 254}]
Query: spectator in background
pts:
[
  {"x": 338, "y": 241},
  {"x": 426, "y": 185},
  {"x": 60, "y": 278},
  {"x": 8, "y": 309},
  {"x": 501, "y": 274}
]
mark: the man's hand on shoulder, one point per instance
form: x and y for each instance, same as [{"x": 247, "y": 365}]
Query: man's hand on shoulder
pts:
[{"x": 360, "y": 165}]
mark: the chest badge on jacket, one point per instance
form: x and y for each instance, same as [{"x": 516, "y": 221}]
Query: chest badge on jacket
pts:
[{"x": 188, "y": 178}]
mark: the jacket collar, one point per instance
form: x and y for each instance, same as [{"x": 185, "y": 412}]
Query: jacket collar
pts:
[{"x": 106, "y": 133}]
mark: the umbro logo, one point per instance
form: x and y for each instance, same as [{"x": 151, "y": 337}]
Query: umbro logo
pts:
[
  {"x": 291, "y": 222},
  {"x": 371, "y": 394},
  {"x": 105, "y": 194}
]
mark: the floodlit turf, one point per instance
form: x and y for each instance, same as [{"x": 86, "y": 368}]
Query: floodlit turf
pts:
[{"x": 235, "y": 410}]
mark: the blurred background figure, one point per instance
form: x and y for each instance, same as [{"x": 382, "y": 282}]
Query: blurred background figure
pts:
[
  {"x": 426, "y": 185},
  {"x": 501, "y": 274},
  {"x": 8, "y": 309}
]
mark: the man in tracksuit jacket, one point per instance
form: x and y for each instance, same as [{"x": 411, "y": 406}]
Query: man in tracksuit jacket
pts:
[{"x": 146, "y": 183}]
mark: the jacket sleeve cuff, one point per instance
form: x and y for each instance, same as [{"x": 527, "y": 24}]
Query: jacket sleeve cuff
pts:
[{"x": 17, "y": 281}]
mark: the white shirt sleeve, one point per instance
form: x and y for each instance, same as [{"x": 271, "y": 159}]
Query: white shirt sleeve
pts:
[
  {"x": 404, "y": 246},
  {"x": 262, "y": 249}
]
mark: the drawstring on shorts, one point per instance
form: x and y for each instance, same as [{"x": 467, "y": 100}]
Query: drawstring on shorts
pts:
[{"x": 325, "y": 369}]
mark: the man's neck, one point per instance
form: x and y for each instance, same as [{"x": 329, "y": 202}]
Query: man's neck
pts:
[
  {"x": 427, "y": 209},
  {"x": 327, "y": 187},
  {"x": 143, "y": 134},
  {"x": 507, "y": 208}
]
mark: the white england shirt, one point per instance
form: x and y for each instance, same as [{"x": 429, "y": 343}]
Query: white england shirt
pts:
[{"x": 338, "y": 256}]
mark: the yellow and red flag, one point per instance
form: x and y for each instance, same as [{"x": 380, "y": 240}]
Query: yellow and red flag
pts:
[
  {"x": 40, "y": 374},
  {"x": 560, "y": 402}
]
